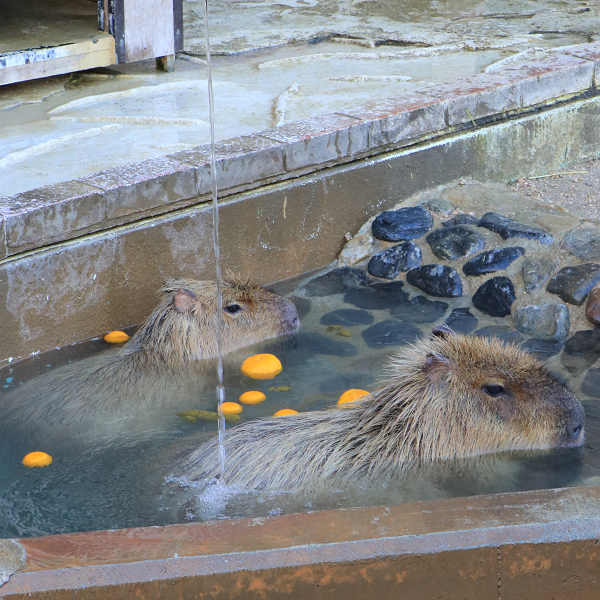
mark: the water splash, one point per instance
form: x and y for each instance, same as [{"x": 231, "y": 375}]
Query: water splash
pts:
[{"x": 213, "y": 172}]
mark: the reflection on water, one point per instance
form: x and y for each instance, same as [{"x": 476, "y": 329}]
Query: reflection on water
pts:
[{"x": 348, "y": 329}]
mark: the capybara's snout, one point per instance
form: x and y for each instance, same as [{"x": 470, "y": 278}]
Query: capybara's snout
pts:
[
  {"x": 573, "y": 433},
  {"x": 289, "y": 318}
]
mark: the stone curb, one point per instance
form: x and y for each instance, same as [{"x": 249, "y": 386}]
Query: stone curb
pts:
[{"x": 134, "y": 191}]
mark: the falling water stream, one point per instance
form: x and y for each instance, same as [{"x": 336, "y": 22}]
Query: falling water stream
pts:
[{"x": 213, "y": 172}]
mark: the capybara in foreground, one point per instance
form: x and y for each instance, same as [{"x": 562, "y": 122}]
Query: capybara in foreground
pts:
[
  {"x": 168, "y": 358},
  {"x": 447, "y": 397}
]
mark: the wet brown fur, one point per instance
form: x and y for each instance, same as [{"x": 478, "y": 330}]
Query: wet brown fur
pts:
[
  {"x": 167, "y": 359},
  {"x": 432, "y": 407}
]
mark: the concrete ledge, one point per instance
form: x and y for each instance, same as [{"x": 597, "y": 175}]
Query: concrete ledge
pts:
[
  {"x": 479, "y": 547},
  {"x": 139, "y": 190}
]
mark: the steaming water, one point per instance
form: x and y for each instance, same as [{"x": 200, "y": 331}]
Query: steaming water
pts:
[
  {"x": 129, "y": 480},
  {"x": 213, "y": 174}
]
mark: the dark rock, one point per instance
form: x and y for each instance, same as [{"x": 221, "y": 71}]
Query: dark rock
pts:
[
  {"x": 592, "y": 307},
  {"x": 544, "y": 321},
  {"x": 591, "y": 383},
  {"x": 583, "y": 243},
  {"x": 315, "y": 343},
  {"x": 348, "y": 381},
  {"x": 436, "y": 280},
  {"x": 492, "y": 260},
  {"x": 582, "y": 350},
  {"x": 573, "y": 284},
  {"x": 337, "y": 281},
  {"x": 377, "y": 296},
  {"x": 461, "y": 219},
  {"x": 451, "y": 243},
  {"x": 402, "y": 224},
  {"x": 542, "y": 349},
  {"x": 495, "y": 297},
  {"x": 502, "y": 332},
  {"x": 536, "y": 271},
  {"x": 390, "y": 333},
  {"x": 420, "y": 310},
  {"x": 347, "y": 317},
  {"x": 397, "y": 259},
  {"x": 462, "y": 321},
  {"x": 507, "y": 228},
  {"x": 302, "y": 305},
  {"x": 439, "y": 206}
]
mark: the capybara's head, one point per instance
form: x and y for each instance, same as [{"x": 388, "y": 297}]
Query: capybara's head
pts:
[
  {"x": 471, "y": 395},
  {"x": 183, "y": 328}
]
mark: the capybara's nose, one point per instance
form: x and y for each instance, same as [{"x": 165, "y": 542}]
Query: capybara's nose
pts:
[
  {"x": 290, "y": 317},
  {"x": 575, "y": 430}
]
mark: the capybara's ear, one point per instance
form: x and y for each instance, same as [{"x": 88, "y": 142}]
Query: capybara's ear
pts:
[
  {"x": 184, "y": 300},
  {"x": 436, "y": 366},
  {"x": 442, "y": 331}
]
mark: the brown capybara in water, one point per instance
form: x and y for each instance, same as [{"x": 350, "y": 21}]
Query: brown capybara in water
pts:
[
  {"x": 167, "y": 360},
  {"x": 447, "y": 397}
]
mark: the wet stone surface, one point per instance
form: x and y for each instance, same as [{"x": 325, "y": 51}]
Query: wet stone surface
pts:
[
  {"x": 536, "y": 271},
  {"x": 583, "y": 243},
  {"x": 336, "y": 282},
  {"x": 436, "y": 280},
  {"x": 544, "y": 321},
  {"x": 582, "y": 350},
  {"x": 347, "y": 317},
  {"x": 573, "y": 284},
  {"x": 495, "y": 297},
  {"x": 592, "y": 306},
  {"x": 502, "y": 332},
  {"x": 402, "y": 224},
  {"x": 542, "y": 349},
  {"x": 397, "y": 259},
  {"x": 507, "y": 228},
  {"x": 439, "y": 206},
  {"x": 461, "y": 219},
  {"x": 591, "y": 383},
  {"x": 451, "y": 243},
  {"x": 390, "y": 333},
  {"x": 492, "y": 260},
  {"x": 378, "y": 296},
  {"x": 420, "y": 310},
  {"x": 461, "y": 320}
]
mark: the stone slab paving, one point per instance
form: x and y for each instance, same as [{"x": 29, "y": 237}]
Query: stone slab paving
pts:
[{"x": 127, "y": 193}]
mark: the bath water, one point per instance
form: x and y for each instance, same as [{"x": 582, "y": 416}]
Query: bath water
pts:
[{"x": 134, "y": 477}]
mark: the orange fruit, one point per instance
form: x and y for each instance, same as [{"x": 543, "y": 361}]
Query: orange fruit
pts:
[
  {"x": 351, "y": 396},
  {"x": 284, "y": 412},
  {"x": 252, "y": 397},
  {"x": 116, "y": 337},
  {"x": 261, "y": 366},
  {"x": 230, "y": 408},
  {"x": 37, "y": 459}
]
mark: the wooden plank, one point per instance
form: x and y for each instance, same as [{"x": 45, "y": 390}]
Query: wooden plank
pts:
[
  {"x": 43, "y": 62},
  {"x": 148, "y": 29}
]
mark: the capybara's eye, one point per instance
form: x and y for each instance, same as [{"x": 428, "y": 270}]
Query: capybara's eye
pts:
[
  {"x": 493, "y": 390},
  {"x": 233, "y": 308}
]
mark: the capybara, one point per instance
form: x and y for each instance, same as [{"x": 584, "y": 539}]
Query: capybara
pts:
[
  {"x": 166, "y": 360},
  {"x": 447, "y": 397}
]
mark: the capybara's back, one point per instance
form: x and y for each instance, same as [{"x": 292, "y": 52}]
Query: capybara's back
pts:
[
  {"x": 169, "y": 359},
  {"x": 446, "y": 397}
]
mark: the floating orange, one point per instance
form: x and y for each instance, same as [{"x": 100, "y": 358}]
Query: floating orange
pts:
[
  {"x": 230, "y": 408},
  {"x": 252, "y": 397},
  {"x": 284, "y": 412},
  {"x": 351, "y": 396},
  {"x": 116, "y": 337},
  {"x": 261, "y": 366},
  {"x": 37, "y": 459}
]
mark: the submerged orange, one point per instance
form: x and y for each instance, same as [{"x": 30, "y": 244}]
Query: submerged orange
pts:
[
  {"x": 37, "y": 459},
  {"x": 351, "y": 396},
  {"x": 230, "y": 408},
  {"x": 116, "y": 337},
  {"x": 261, "y": 366},
  {"x": 252, "y": 397},
  {"x": 284, "y": 412}
]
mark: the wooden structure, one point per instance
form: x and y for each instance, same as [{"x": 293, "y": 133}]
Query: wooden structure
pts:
[{"x": 39, "y": 38}]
